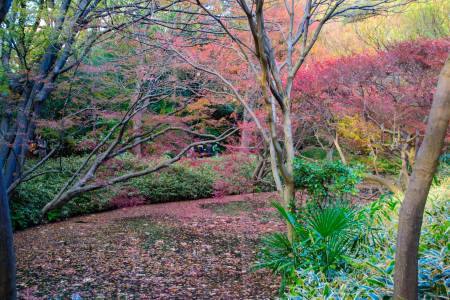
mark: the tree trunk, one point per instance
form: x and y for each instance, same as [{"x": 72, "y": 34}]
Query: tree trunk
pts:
[
  {"x": 411, "y": 211},
  {"x": 7, "y": 257},
  {"x": 289, "y": 186},
  {"x": 330, "y": 152},
  {"x": 289, "y": 201},
  {"x": 339, "y": 150},
  {"x": 384, "y": 182},
  {"x": 4, "y": 8},
  {"x": 7, "y": 254},
  {"x": 246, "y": 132},
  {"x": 404, "y": 176}
]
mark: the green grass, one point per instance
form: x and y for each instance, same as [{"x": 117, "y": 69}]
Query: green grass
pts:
[
  {"x": 151, "y": 232},
  {"x": 234, "y": 208}
]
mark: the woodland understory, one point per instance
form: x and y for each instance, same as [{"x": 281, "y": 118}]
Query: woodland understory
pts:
[{"x": 224, "y": 149}]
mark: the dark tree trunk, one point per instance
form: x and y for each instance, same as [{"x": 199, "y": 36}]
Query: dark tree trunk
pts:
[
  {"x": 7, "y": 257},
  {"x": 412, "y": 209},
  {"x": 4, "y": 8},
  {"x": 7, "y": 254}
]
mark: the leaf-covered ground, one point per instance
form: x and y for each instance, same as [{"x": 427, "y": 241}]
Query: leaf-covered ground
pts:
[{"x": 200, "y": 249}]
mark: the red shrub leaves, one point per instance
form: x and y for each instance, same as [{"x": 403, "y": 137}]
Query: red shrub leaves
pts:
[{"x": 392, "y": 90}]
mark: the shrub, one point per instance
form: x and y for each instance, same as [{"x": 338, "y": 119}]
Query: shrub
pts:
[
  {"x": 325, "y": 239},
  {"x": 369, "y": 275},
  {"x": 31, "y": 196},
  {"x": 186, "y": 180},
  {"x": 326, "y": 179},
  {"x": 178, "y": 182},
  {"x": 175, "y": 183}
]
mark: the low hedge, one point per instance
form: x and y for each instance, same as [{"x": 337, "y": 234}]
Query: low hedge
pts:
[
  {"x": 174, "y": 184},
  {"x": 186, "y": 180},
  {"x": 31, "y": 196}
]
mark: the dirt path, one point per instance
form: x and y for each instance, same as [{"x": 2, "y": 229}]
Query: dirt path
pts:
[{"x": 200, "y": 249}]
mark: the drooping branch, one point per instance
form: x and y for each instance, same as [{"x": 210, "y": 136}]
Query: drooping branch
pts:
[{"x": 82, "y": 187}]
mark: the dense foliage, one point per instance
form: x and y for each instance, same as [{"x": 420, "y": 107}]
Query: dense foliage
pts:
[
  {"x": 375, "y": 103},
  {"x": 188, "y": 180},
  {"x": 370, "y": 274},
  {"x": 326, "y": 179},
  {"x": 32, "y": 195},
  {"x": 343, "y": 251},
  {"x": 326, "y": 104}
]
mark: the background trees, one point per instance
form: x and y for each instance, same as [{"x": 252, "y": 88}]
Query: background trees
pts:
[
  {"x": 377, "y": 104},
  {"x": 42, "y": 41},
  {"x": 412, "y": 209},
  {"x": 133, "y": 87},
  {"x": 277, "y": 63},
  {"x": 160, "y": 101}
]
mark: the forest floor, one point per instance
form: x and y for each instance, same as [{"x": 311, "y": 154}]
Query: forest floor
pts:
[{"x": 202, "y": 249}]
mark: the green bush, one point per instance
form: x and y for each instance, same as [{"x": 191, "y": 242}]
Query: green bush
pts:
[
  {"x": 338, "y": 250},
  {"x": 328, "y": 179},
  {"x": 325, "y": 239},
  {"x": 328, "y": 231},
  {"x": 175, "y": 183},
  {"x": 188, "y": 180},
  {"x": 31, "y": 196},
  {"x": 369, "y": 274},
  {"x": 178, "y": 182}
]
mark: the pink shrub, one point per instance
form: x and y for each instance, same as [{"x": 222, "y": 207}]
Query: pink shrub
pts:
[{"x": 127, "y": 198}]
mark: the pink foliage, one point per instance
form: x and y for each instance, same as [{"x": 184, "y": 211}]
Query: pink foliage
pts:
[
  {"x": 126, "y": 198},
  {"x": 232, "y": 180},
  {"x": 86, "y": 145},
  {"x": 393, "y": 88}
]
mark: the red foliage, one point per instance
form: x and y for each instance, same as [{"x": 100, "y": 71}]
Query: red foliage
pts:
[
  {"x": 394, "y": 89},
  {"x": 126, "y": 198},
  {"x": 232, "y": 178},
  {"x": 85, "y": 145}
]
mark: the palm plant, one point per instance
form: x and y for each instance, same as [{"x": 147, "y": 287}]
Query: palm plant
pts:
[{"x": 325, "y": 238}]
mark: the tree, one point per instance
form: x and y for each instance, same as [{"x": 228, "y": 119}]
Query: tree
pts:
[
  {"x": 413, "y": 205},
  {"x": 276, "y": 62},
  {"x": 376, "y": 103},
  {"x": 7, "y": 256},
  {"x": 157, "y": 90},
  {"x": 41, "y": 41}
]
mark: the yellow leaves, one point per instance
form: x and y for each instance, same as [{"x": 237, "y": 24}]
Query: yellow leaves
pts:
[
  {"x": 198, "y": 105},
  {"x": 363, "y": 134}
]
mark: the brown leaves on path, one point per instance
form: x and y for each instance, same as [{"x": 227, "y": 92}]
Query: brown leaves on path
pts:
[{"x": 201, "y": 249}]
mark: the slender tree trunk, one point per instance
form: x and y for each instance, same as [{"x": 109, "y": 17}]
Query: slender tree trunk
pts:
[
  {"x": 339, "y": 150},
  {"x": 404, "y": 176},
  {"x": 7, "y": 257},
  {"x": 411, "y": 211},
  {"x": 289, "y": 186},
  {"x": 247, "y": 119},
  {"x": 330, "y": 152},
  {"x": 289, "y": 201},
  {"x": 260, "y": 169}
]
